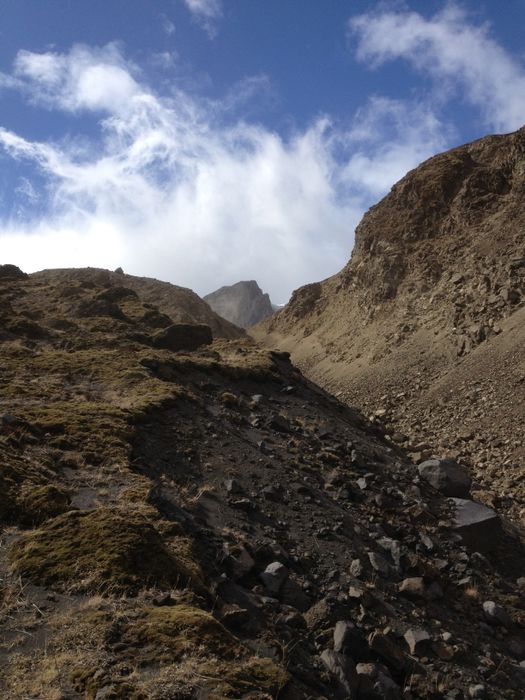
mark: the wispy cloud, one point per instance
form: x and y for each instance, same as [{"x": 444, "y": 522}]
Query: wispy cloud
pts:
[
  {"x": 459, "y": 55},
  {"x": 207, "y": 13},
  {"x": 167, "y": 25},
  {"x": 186, "y": 191}
]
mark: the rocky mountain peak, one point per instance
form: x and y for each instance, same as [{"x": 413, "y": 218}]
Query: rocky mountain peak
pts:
[{"x": 243, "y": 303}]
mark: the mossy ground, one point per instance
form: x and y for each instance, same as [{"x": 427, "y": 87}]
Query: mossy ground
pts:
[
  {"x": 101, "y": 551},
  {"x": 80, "y": 376}
]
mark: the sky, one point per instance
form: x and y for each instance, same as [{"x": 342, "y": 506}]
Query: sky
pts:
[{"x": 208, "y": 141}]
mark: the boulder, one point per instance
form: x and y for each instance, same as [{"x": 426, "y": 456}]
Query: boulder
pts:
[
  {"x": 349, "y": 640},
  {"x": 237, "y": 560},
  {"x": 418, "y": 641},
  {"x": 387, "y": 650},
  {"x": 413, "y": 588},
  {"x": 496, "y": 615},
  {"x": 379, "y": 563},
  {"x": 183, "y": 336},
  {"x": 478, "y": 525},
  {"x": 292, "y": 594},
  {"x": 416, "y": 588},
  {"x": 342, "y": 670},
  {"x": 446, "y": 476},
  {"x": 376, "y": 682}
]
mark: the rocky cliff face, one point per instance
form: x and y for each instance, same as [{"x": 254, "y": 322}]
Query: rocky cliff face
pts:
[
  {"x": 243, "y": 304},
  {"x": 430, "y": 299},
  {"x": 188, "y": 518}
]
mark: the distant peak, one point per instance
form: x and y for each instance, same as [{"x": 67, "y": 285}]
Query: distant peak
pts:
[{"x": 243, "y": 303}]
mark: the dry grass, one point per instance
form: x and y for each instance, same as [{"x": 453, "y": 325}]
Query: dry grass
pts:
[{"x": 472, "y": 592}]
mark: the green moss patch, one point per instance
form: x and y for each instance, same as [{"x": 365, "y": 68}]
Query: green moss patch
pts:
[
  {"x": 101, "y": 551},
  {"x": 220, "y": 662},
  {"x": 166, "y": 634},
  {"x": 90, "y": 681},
  {"x": 24, "y": 497},
  {"x": 36, "y": 504}
]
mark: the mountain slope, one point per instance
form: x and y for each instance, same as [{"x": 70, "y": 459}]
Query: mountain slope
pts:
[
  {"x": 243, "y": 303},
  {"x": 180, "y": 304},
  {"x": 419, "y": 311},
  {"x": 208, "y": 523}
]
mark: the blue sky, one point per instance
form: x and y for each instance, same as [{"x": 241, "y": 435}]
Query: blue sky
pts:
[{"x": 207, "y": 141}]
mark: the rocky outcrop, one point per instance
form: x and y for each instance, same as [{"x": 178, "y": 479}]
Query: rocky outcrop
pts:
[
  {"x": 183, "y": 336},
  {"x": 244, "y": 303}
]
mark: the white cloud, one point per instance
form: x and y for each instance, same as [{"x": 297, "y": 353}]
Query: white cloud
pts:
[
  {"x": 183, "y": 191},
  {"x": 207, "y": 13},
  {"x": 387, "y": 139},
  {"x": 457, "y": 54},
  {"x": 85, "y": 79}
]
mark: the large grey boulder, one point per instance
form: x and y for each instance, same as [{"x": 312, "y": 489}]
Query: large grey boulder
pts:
[
  {"x": 349, "y": 640},
  {"x": 478, "y": 525},
  {"x": 446, "y": 476},
  {"x": 342, "y": 670}
]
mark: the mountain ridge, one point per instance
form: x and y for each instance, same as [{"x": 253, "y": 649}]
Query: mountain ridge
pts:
[{"x": 437, "y": 274}]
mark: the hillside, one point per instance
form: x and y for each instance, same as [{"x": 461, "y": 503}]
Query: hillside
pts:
[
  {"x": 188, "y": 518},
  {"x": 423, "y": 329},
  {"x": 180, "y": 304},
  {"x": 244, "y": 303}
]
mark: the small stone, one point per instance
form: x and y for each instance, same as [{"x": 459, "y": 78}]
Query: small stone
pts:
[
  {"x": 356, "y": 568},
  {"x": 243, "y": 504},
  {"x": 496, "y": 615},
  {"x": 418, "y": 641},
  {"x": 413, "y": 588},
  {"x": 274, "y": 576},
  {"x": 232, "y": 486},
  {"x": 272, "y": 493},
  {"x": 379, "y": 563}
]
